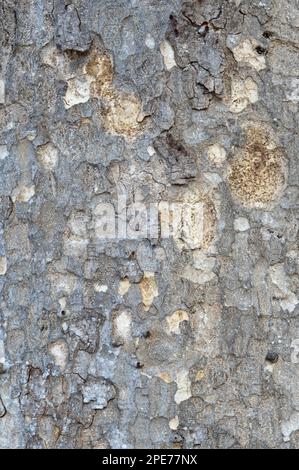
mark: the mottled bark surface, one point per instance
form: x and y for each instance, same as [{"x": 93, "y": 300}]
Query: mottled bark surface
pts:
[{"x": 149, "y": 341}]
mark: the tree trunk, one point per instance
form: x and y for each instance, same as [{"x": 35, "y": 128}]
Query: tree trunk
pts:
[{"x": 149, "y": 221}]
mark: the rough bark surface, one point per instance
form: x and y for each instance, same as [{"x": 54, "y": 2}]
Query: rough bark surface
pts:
[{"x": 150, "y": 341}]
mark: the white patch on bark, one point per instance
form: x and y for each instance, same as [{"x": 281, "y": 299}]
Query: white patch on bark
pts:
[
  {"x": 3, "y": 265},
  {"x": 245, "y": 53},
  {"x": 122, "y": 325},
  {"x": 150, "y": 42},
  {"x": 124, "y": 286},
  {"x": 47, "y": 156},
  {"x": 241, "y": 224},
  {"x": 2, "y": 91},
  {"x": 243, "y": 93},
  {"x": 175, "y": 320},
  {"x": 217, "y": 154},
  {"x": 290, "y": 426},
  {"x": 3, "y": 152},
  {"x": 183, "y": 386},
  {"x": 78, "y": 91},
  {"x": 59, "y": 352},
  {"x": 23, "y": 193},
  {"x": 174, "y": 423},
  {"x": 279, "y": 278},
  {"x": 168, "y": 55}
]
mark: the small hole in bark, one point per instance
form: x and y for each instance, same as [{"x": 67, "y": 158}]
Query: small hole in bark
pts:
[
  {"x": 177, "y": 438},
  {"x": 261, "y": 50},
  {"x": 267, "y": 34},
  {"x": 272, "y": 357},
  {"x": 139, "y": 365}
]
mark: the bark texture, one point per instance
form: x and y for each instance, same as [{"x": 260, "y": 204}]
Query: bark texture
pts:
[{"x": 145, "y": 340}]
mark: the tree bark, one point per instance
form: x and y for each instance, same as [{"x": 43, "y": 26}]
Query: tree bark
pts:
[{"x": 149, "y": 224}]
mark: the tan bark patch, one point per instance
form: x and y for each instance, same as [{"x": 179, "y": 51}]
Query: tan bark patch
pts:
[
  {"x": 257, "y": 176},
  {"x": 148, "y": 289}
]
